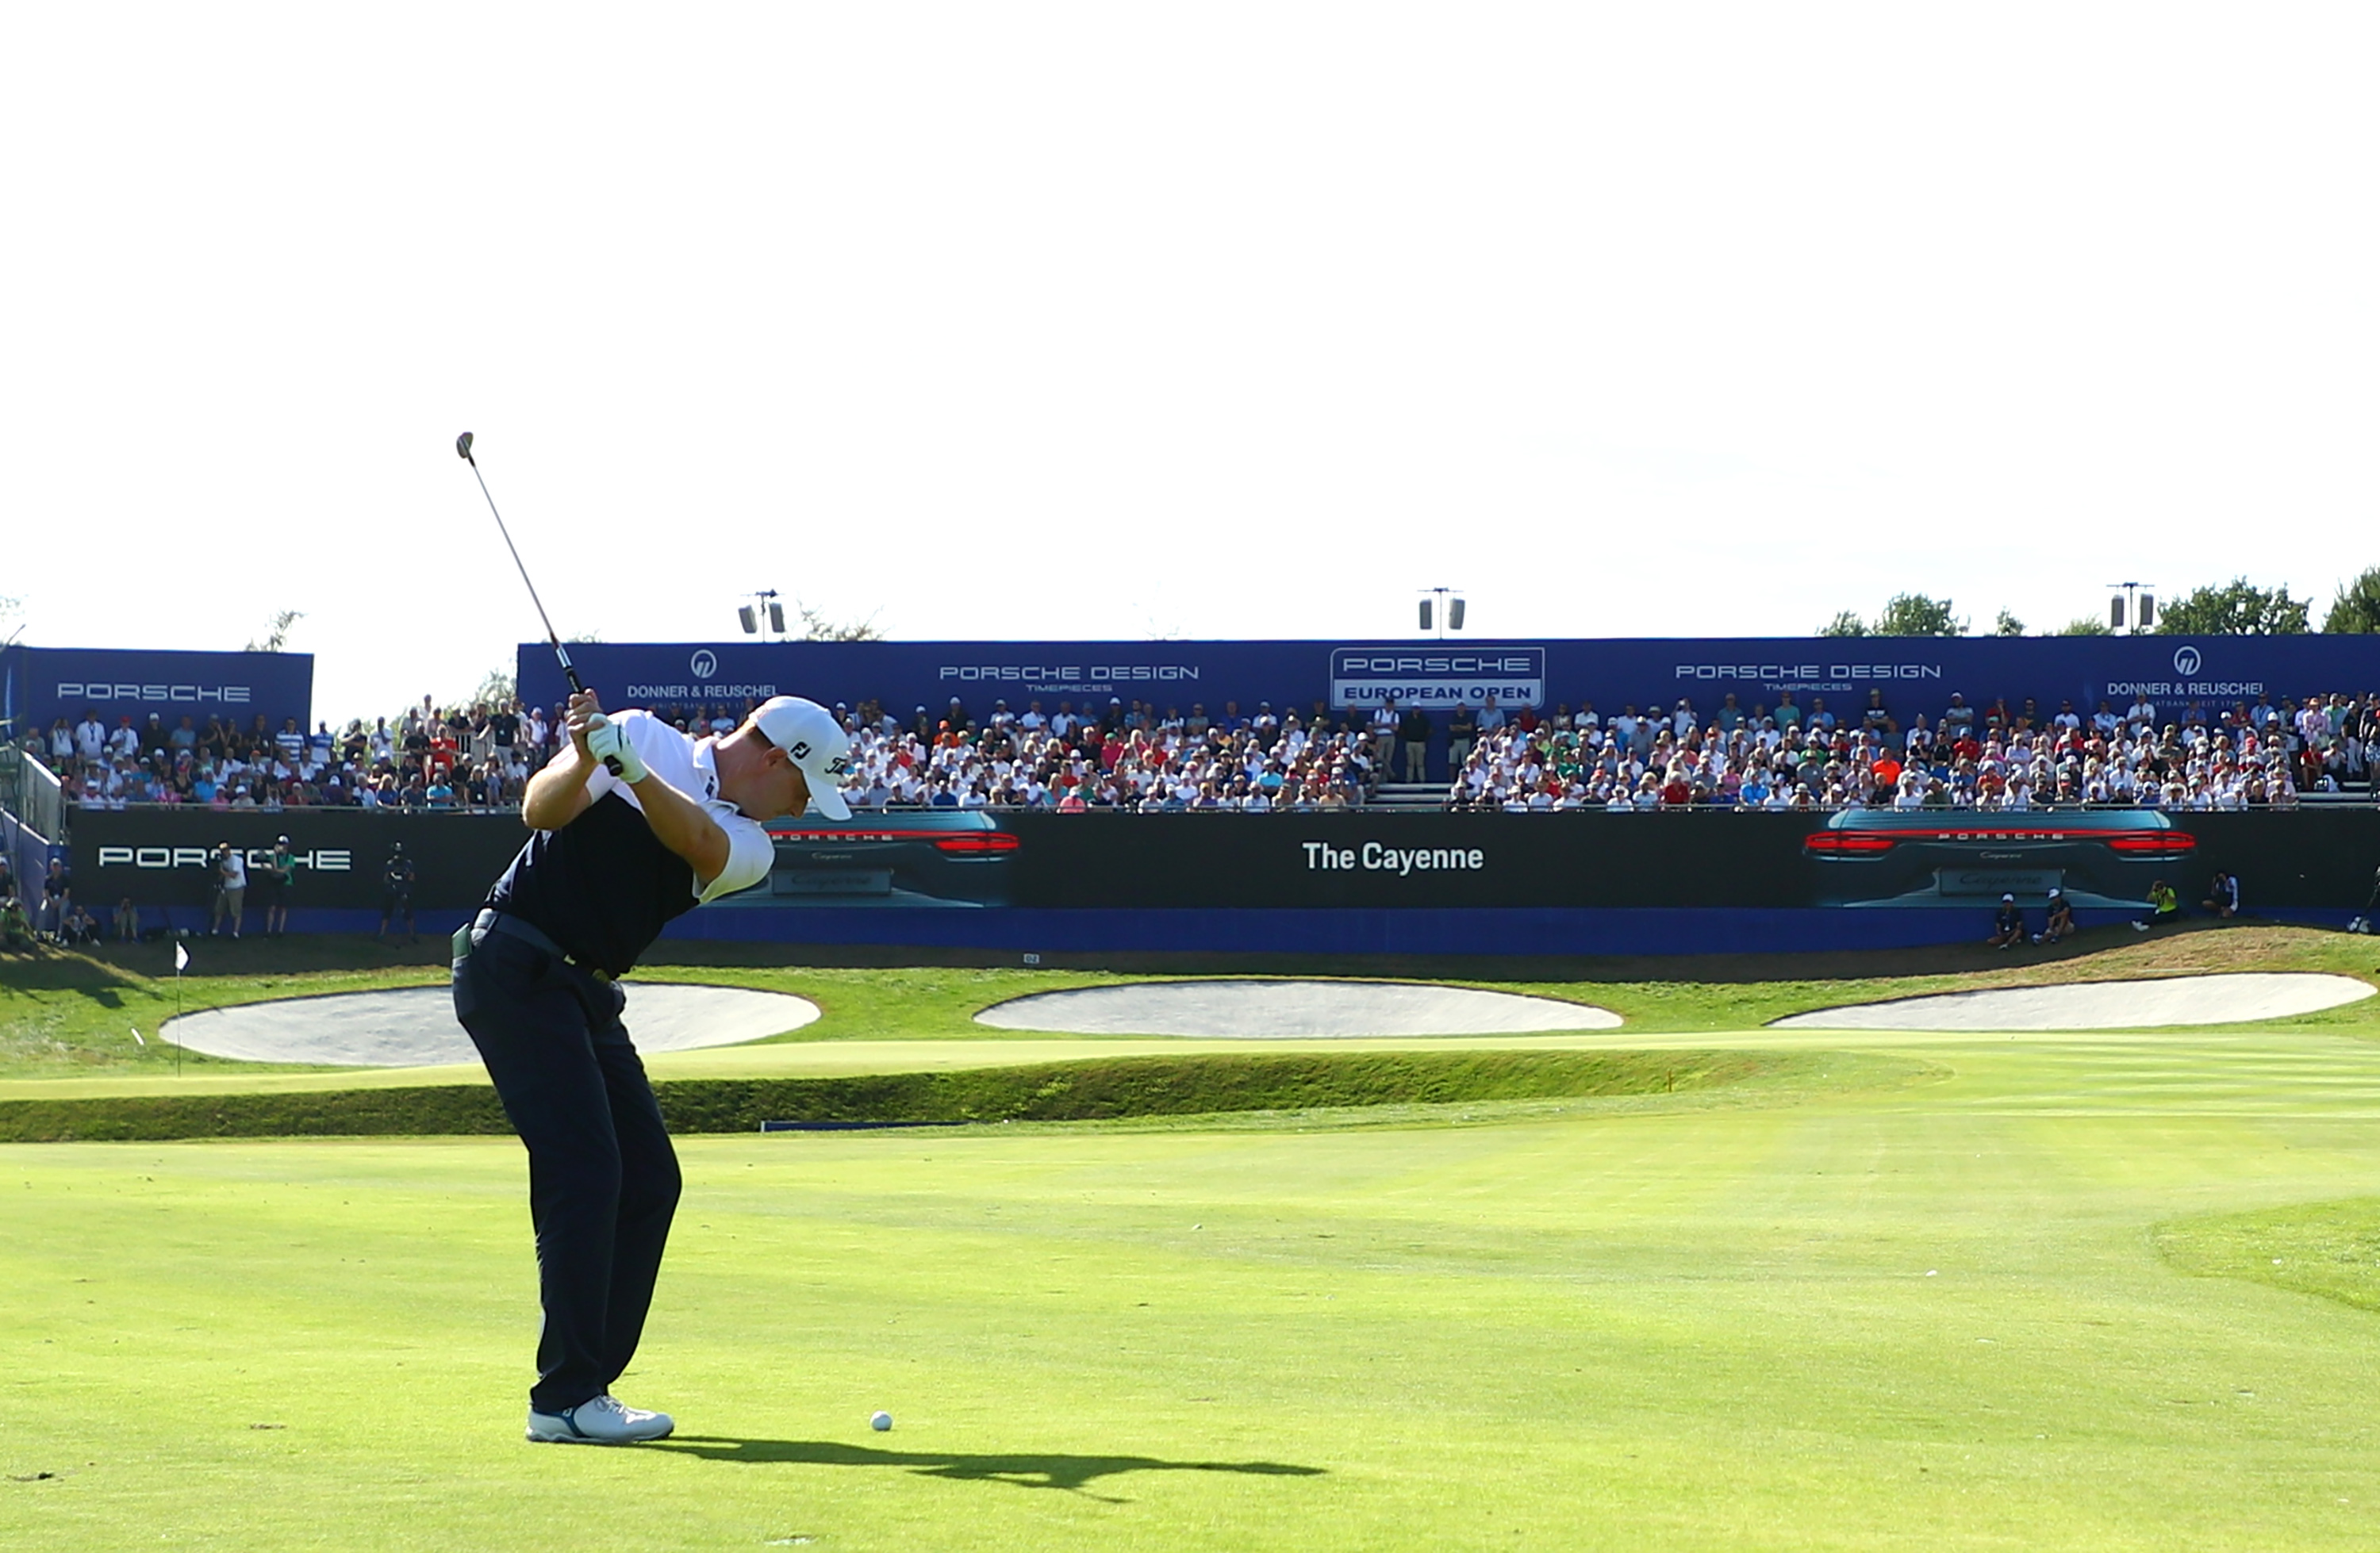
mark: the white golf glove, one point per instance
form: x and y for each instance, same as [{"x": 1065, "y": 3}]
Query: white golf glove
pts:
[{"x": 607, "y": 744}]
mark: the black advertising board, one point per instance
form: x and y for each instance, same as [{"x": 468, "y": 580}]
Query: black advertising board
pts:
[
  {"x": 2313, "y": 858},
  {"x": 160, "y": 857}
]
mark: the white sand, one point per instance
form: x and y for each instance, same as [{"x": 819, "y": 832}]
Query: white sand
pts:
[
  {"x": 2100, "y": 1005},
  {"x": 415, "y": 1026},
  {"x": 1289, "y": 1010}
]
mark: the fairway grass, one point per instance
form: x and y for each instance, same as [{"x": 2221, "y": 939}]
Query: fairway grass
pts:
[{"x": 1956, "y": 1313}]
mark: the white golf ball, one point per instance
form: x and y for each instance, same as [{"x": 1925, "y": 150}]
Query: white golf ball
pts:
[{"x": 880, "y": 1421}]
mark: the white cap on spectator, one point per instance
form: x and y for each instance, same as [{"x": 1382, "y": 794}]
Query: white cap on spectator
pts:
[{"x": 816, "y": 741}]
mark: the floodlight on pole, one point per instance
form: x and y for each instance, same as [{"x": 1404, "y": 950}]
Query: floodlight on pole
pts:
[
  {"x": 2135, "y": 612},
  {"x": 1447, "y": 612},
  {"x": 763, "y": 615}
]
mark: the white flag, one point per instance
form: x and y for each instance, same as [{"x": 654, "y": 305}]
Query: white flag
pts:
[{"x": 181, "y": 957}]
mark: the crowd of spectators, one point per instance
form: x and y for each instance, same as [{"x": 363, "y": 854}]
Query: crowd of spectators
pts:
[
  {"x": 1126, "y": 757},
  {"x": 1135, "y": 757},
  {"x": 1788, "y": 756},
  {"x": 475, "y": 758}
]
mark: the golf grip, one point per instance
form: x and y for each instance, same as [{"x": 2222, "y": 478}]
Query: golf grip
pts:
[{"x": 611, "y": 762}]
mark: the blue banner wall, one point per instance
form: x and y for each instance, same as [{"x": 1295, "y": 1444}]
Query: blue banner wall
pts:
[
  {"x": 38, "y": 684},
  {"x": 1914, "y": 673}
]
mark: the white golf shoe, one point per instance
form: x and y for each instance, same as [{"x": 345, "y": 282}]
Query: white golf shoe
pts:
[{"x": 598, "y": 1421}]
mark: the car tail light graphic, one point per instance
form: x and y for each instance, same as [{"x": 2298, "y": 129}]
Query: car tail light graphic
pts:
[
  {"x": 1856, "y": 844},
  {"x": 2153, "y": 843},
  {"x": 974, "y": 843},
  {"x": 1872, "y": 843}
]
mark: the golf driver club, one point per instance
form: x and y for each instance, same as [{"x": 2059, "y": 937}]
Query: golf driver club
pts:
[{"x": 463, "y": 451}]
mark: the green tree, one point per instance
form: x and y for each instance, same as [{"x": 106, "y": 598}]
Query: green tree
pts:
[
  {"x": 817, "y": 628},
  {"x": 497, "y": 688},
  {"x": 2238, "y": 608},
  {"x": 1913, "y": 615},
  {"x": 277, "y": 640},
  {"x": 2357, "y": 608},
  {"x": 2008, "y": 625},
  {"x": 1844, "y": 625},
  {"x": 2086, "y": 626}
]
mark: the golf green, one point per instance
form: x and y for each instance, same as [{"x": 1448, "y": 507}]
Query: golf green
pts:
[{"x": 2018, "y": 1302}]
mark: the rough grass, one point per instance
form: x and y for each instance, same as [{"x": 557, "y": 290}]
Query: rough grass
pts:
[
  {"x": 2329, "y": 1249},
  {"x": 73, "y": 1014},
  {"x": 1094, "y": 1089}
]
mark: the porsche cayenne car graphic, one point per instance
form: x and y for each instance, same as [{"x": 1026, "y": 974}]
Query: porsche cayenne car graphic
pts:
[
  {"x": 1949, "y": 857},
  {"x": 919, "y": 857}
]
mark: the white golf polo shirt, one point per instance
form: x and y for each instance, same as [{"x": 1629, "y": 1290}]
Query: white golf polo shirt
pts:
[{"x": 691, "y": 768}]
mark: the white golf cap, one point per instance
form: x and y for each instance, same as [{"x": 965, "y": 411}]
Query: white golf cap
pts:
[{"x": 809, "y": 733}]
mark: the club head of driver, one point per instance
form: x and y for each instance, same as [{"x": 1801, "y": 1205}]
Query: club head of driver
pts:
[{"x": 463, "y": 447}]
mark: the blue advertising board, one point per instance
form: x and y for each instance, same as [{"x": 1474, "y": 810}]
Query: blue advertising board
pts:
[
  {"x": 38, "y": 684},
  {"x": 1914, "y": 674}
]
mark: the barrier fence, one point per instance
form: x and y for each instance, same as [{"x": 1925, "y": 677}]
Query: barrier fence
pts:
[{"x": 971, "y": 862}]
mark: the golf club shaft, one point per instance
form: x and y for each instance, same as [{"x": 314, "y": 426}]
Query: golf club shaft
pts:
[{"x": 553, "y": 637}]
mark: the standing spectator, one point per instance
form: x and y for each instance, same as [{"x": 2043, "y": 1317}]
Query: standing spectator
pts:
[
  {"x": 396, "y": 891},
  {"x": 280, "y": 874},
  {"x": 1414, "y": 732},
  {"x": 504, "y": 732},
  {"x": 89, "y": 736},
  {"x": 1384, "y": 736},
  {"x": 231, "y": 889},
  {"x": 1461, "y": 735}
]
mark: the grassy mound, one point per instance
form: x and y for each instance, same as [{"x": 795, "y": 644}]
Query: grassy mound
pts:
[
  {"x": 2328, "y": 1249},
  {"x": 1094, "y": 1090}
]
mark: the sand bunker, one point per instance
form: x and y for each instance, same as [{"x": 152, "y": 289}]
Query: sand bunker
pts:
[
  {"x": 415, "y": 1026},
  {"x": 2100, "y": 1005},
  {"x": 1289, "y": 1010}
]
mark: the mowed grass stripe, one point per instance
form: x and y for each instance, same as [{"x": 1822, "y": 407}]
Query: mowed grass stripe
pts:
[
  {"x": 1090, "y": 1089},
  {"x": 1684, "y": 1329}
]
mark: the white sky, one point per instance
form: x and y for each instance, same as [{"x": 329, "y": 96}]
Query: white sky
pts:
[{"x": 1218, "y": 320}]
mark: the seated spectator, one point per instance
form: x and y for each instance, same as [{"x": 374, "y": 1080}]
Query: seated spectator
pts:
[
  {"x": 2061, "y": 919},
  {"x": 2008, "y": 923},
  {"x": 127, "y": 926},
  {"x": 2165, "y": 906},
  {"x": 2223, "y": 895},
  {"x": 16, "y": 928}
]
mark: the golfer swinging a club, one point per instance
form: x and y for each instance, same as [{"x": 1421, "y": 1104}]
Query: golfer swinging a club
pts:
[{"x": 635, "y": 823}]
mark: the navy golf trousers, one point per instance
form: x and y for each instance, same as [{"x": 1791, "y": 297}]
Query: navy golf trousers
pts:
[{"x": 603, "y": 1178}]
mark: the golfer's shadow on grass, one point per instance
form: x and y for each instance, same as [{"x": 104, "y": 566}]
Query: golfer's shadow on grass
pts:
[{"x": 1070, "y": 1473}]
